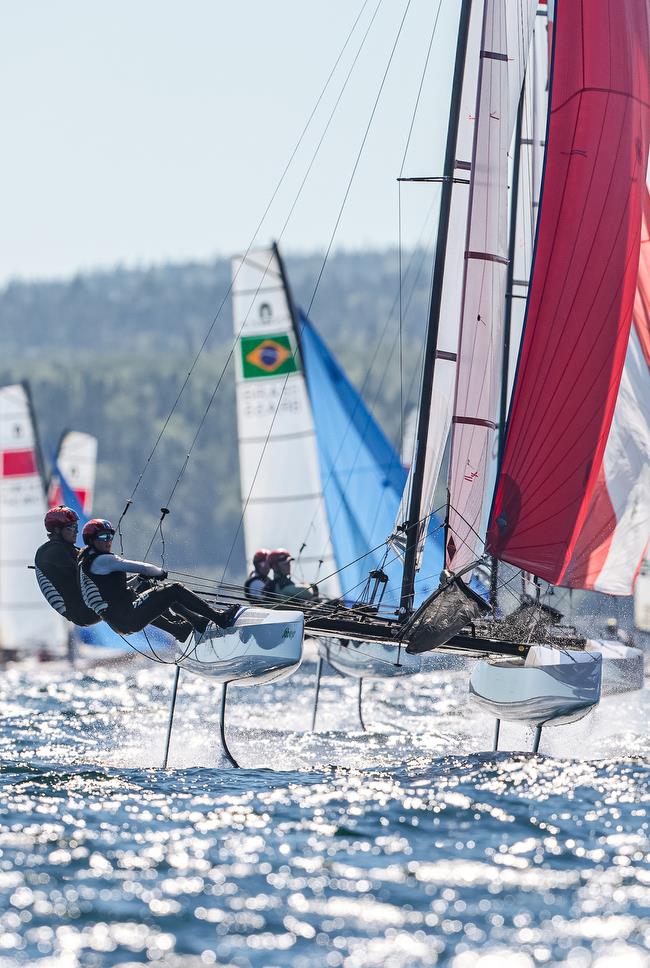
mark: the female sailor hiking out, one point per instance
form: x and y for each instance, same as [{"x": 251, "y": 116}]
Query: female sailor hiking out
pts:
[
  {"x": 255, "y": 584},
  {"x": 103, "y": 578},
  {"x": 57, "y": 567}
]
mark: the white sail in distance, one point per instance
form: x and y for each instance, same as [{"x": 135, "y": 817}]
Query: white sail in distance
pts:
[
  {"x": 77, "y": 462},
  {"x": 27, "y": 623},
  {"x": 278, "y": 459},
  {"x": 505, "y": 45}
]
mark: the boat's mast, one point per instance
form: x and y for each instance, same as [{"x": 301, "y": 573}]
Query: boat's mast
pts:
[
  {"x": 290, "y": 302},
  {"x": 433, "y": 324},
  {"x": 507, "y": 321},
  {"x": 38, "y": 451}
]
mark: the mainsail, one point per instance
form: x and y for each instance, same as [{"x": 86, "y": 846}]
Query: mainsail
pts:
[
  {"x": 76, "y": 462},
  {"x": 505, "y": 44},
  {"x": 278, "y": 459},
  {"x": 26, "y": 620},
  {"x": 442, "y": 392},
  {"x": 583, "y": 286}
]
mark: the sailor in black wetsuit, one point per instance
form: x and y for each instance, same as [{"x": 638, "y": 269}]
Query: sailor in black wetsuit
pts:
[
  {"x": 104, "y": 587},
  {"x": 57, "y": 570},
  {"x": 255, "y": 584}
]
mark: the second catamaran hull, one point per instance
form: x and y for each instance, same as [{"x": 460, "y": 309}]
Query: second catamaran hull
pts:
[
  {"x": 623, "y": 665},
  {"x": 368, "y": 660},
  {"x": 551, "y": 694},
  {"x": 262, "y": 646}
]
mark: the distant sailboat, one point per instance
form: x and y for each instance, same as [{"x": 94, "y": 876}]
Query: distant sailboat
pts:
[
  {"x": 28, "y": 624},
  {"x": 317, "y": 472},
  {"x": 76, "y": 464}
]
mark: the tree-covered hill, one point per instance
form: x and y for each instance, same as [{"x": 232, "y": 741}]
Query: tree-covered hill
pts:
[{"x": 108, "y": 352}]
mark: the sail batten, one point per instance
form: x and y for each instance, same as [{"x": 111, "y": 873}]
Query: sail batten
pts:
[{"x": 582, "y": 292}]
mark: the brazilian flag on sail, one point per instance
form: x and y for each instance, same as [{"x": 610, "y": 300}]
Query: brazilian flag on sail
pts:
[{"x": 267, "y": 356}]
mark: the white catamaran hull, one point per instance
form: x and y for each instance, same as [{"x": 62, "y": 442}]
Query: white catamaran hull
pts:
[
  {"x": 261, "y": 646},
  {"x": 550, "y": 688},
  {"x": 368, "y": 660}
]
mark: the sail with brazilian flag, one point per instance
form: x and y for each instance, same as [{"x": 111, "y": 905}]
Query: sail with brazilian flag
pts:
[{"x": 278, "y": 455}]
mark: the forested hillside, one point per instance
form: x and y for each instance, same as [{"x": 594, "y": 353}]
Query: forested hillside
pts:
[{"x": 108, "y": 352}]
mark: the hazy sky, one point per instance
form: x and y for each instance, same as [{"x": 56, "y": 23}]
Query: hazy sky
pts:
[{"x": 150, "y": 130}]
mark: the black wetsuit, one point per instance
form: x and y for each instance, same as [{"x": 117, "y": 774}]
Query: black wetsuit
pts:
[
  {"x": 125, "y": 612},
  {"x": 57, "y": 573},
  {"x": 255, "y": 587}
]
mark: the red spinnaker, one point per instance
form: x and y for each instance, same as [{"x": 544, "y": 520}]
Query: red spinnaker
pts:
[{"x": 583, "y": 283}]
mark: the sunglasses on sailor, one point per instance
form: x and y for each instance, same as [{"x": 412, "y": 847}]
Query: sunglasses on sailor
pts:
[{"x": 104, "y": 537}]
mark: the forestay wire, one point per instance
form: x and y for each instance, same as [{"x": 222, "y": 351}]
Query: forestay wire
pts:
[
  {"x": 280, "y": 235},
  {"x": 320, "y": 276},
  {"x": 226, "y": 296}
]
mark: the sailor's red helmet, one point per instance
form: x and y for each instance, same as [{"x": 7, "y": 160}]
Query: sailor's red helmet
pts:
[
  {"x": 96, "y": 527},
  {"x": 280, "y": 554},
  {"x": 60, "y": 517}
]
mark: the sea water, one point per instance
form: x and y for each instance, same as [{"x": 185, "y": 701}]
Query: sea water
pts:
[{"x": 406, "y": 845}]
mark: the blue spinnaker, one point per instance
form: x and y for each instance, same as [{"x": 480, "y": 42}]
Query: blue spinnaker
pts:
[{"x": 362, "y": 479}]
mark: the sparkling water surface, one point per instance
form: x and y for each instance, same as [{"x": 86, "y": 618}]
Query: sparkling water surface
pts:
[{"x": 407, "y": 845}]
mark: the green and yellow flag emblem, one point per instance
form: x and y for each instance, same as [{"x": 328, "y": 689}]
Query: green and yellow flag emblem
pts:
[{"x": 267, "y": 356}]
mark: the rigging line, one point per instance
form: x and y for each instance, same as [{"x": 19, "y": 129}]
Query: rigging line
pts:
[
  {"x": 383, "y": 544},
  {"x": 373, "y": 405},
  {"x": 370, "y": 367},
  {"x": 220, "y": 583},
  {"x": 401, "y": 361},
  {"x": 422, "y": 78},
  {"x": 250, "y": 245},
  {"x": 282, "y": 231},
  {"x": 399, "y": 220},
  {"x": 358, "y": 159},
  {"x": 330, "y": 242}
]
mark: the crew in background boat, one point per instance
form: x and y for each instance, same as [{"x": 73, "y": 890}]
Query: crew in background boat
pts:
[
  {"x": 104, "y": 587},
  {"x": 57, "y": 567},
  {"x": 255, "y": 584},
  {"x": 282, "y": 584}
]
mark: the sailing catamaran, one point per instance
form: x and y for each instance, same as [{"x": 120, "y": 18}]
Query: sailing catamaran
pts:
[
  {"x": 317, "y": 472},
  {"x": 541, "y": 506}
]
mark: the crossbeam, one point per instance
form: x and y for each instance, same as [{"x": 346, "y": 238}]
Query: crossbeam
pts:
[{"x": 369, "y": 629}]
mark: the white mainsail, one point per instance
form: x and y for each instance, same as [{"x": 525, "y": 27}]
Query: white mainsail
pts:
[
  {"x": 505, "y": 44},
  {"x": 450, "y": 306},
  {"x": 27, "y": 622},
  {"x": 531, "y": 160},
  {"x": 278, "y": 459},
  {"x": 77, "y": 462}
]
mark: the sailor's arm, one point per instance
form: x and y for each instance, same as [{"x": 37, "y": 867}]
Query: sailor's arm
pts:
[{"x": 107, "y": 564}]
